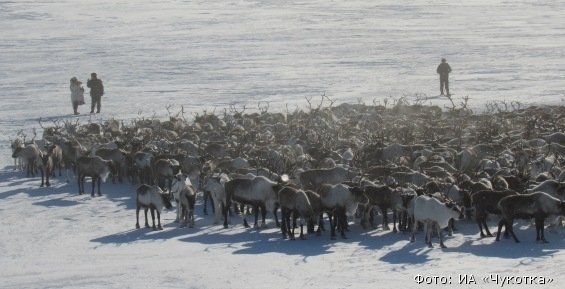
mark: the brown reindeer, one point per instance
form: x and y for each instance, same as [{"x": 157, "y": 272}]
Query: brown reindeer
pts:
[
  {"x": 94, "y": 167},
  {"x": 486, "y": 202},
  {"x": 56, "y": 154},
  {"x": 45, "y": 165},
  {"x": 151, "y": 197},
  {"x": 294, "y": 201},
  {"x": 118, "y": 156},
  {"x": 535, "y": 205}
]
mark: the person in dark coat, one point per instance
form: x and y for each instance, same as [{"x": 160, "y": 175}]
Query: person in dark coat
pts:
[
  {"x": 443, "y": 70},
  {"x": 96, "y": 92}
]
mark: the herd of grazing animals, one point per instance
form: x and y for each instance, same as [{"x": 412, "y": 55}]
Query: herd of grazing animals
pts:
[{"x": 422, "y": 163}]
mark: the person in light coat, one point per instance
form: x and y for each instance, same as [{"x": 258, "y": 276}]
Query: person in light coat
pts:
[{"x": 77, "y": 94}]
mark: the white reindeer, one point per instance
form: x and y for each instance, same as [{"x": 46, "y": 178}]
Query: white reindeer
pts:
[{"x": 434, "y": 214}]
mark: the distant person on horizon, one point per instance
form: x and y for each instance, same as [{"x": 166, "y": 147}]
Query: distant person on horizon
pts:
[
  {"x": 443, "y": 70},
  {"x": 77, "y": 94},
  {"x": 96, "y": 92}
]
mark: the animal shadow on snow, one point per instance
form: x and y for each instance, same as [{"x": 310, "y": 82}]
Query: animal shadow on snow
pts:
[
  {"x": 36, "y": 192},
  {"x": 141, "y": 234},
  {"x": 508, "y": 249},
  {"x": 246, "y": 241},
  {"x": 406, "y": 255},
  {"x": 61, "y": 202}
]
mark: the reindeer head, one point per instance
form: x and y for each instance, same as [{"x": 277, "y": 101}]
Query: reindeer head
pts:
[
  {"x": 112, "y": 167},
  {"x": 17, "y": 152},
  {"x": 456, "y": 209},
  {"x": 359, "y": 194}
]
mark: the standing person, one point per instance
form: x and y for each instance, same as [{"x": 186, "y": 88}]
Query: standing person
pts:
[
  {"x": 443, "y": 69},
  {"x": 96, "y": 92},
  {"x": 77, "y": 94}
]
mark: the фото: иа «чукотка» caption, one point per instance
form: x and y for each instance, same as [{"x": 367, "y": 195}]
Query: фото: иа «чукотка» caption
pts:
[{"x": 496, "y": 279}]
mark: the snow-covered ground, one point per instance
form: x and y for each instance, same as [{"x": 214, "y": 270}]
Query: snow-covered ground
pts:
[{"x": 210, "y": 55}]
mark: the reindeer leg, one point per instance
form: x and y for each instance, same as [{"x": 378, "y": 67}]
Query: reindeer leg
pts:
[
  {"x": 255, "y": 215},
  {"x": 78, "y": 182},
  {"x": 212, "y": 203},
  {"x": 321, "y": 221},
  {"x": 510, "y": 229},
  {"x": 500, "y": 225},
  {"x": 385, "y": 219},
  {"x": 310, "y": 224},
  {"x": 158, "y": 220},
  {"x": 146, "y": 222},
  {"x": 294, "y": 217},
  {"x": 277, "y": 223},
  {"x": 332, "y": 226},
  {"x": 540, "y": 229},
  {"x": 429, "y": 232},
  {"x": 413, "y": 237},
  {"x": 205, "y": 211},
  {"x": 93, "y": 184},
  {"x": 244, "y": 214},
  {"x": 191, "y": 217},
  {"x": 153, "y": 218},
  {"x": 440, "y": 236},
  {"x": 479, "y": 220},
  {"x": 264, "y": 216},
  {"x": 225, "y": 211},
  {"x": 302, "y": 237},
  {"x": 452, "y": 225},
  {"x": 99, "y": 180},
  {"x": 283, "y": 225},
  {"x": 394, "y": 230},
  {"x": 42, "y": 182},
  {"x": 320, "y": 224},
  {"x": 178, "y": 218},
  {"x": 342, "y": 219},
  {"x": 486, "y": 227},
  {"x": 137, "y": 218},
  {"x": 363, "y": 221}
]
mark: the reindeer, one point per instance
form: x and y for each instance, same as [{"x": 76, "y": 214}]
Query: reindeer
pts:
[
  {"x": 187, "y": 199},
  {"x": 29, "y": 155},
  {"x": 164, "y": 170},
  {"x": 258, "y": 192},
  {"x": 45, "y": 165},
  {"x": 141, "y": 163},
  {"x": 536, "y": 205},
  {"x": 56, "y": 154},
  {"x": 385, "y": 198},
  {"x": 214, "y": 186},
  {"x": 180, "y": 183},
  {"x": 71, "y": 152},
  {"x": 118, "y": 156},
  {"x": 486, "y": 202},
  {"x": 294, "y": 201},
  {"x": 340, "y": 200},
  {"x": 94, "y": 167},
  {"x": 434, "y": 214},
  {"x": 312, "y": 179},
  {"x": 15, "y": 144},
  {"x": 151, "y": 197}
]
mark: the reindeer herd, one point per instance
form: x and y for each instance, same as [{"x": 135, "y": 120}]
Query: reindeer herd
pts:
[{"x": 424, "y": 165}]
